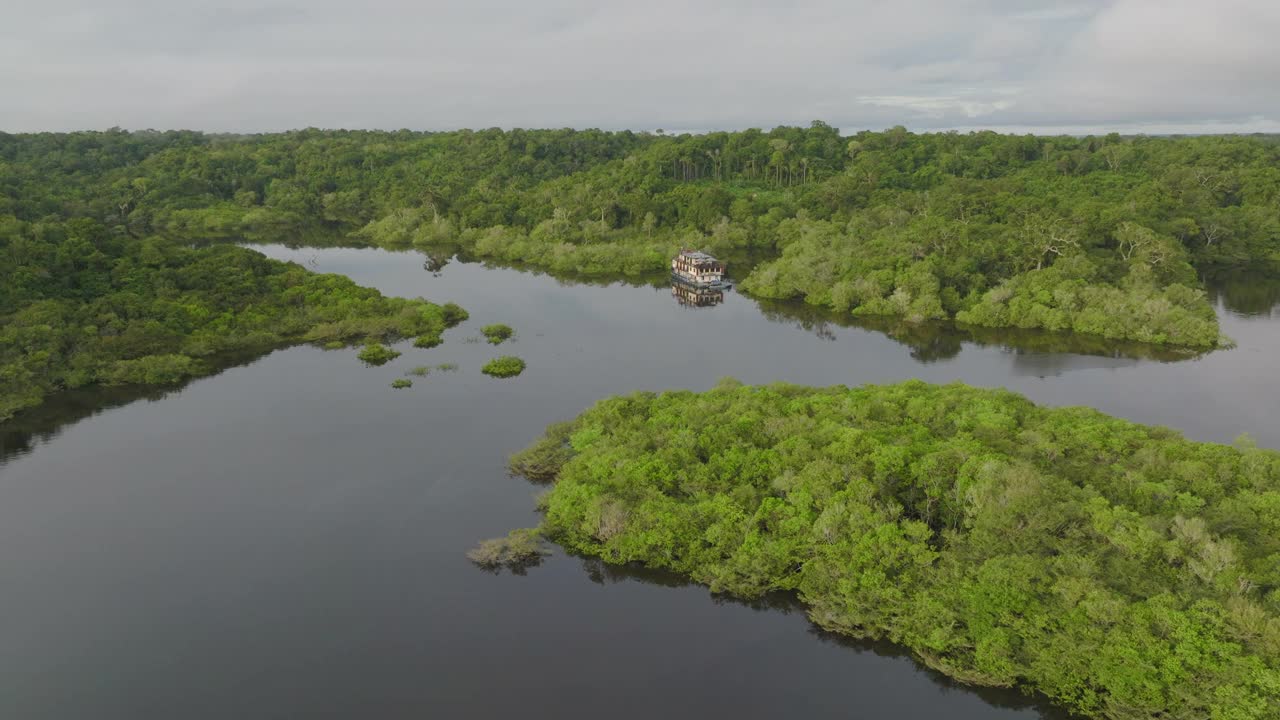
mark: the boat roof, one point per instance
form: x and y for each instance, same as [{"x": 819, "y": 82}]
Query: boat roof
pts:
[{"x": 696, "y": 255}]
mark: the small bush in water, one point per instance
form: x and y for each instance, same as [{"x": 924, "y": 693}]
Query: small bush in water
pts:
[
  {"x": 505, "y": 366},
  {"x": 497, "y": 333},
  {"x": 375, "y": 353},
  {"x": 400, "y": 383},
  {"x": 519, "y": 549}
]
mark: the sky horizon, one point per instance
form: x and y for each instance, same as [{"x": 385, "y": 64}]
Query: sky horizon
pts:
[
  {"x": 1017, "y": 66},
  {"x": 1157, "y": 130}
]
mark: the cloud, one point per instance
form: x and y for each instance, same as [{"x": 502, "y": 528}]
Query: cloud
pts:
[
  {"x": 928, "y": 64},
  {"x": 940, "y": 106},
  {"x": 1147, "y": 61}
]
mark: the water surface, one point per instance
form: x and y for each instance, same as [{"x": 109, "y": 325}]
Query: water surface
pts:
[{"x": 285, "y": 539}]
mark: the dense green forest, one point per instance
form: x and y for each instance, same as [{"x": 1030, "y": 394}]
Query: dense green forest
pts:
[
  {"x": 1120, "y": 569},
  {"x": 1099, "y": 235},
  {"x": 83, "y": 305}
]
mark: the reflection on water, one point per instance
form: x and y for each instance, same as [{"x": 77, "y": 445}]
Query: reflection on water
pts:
[
  {"x": 603, "y": 573},
  {"x": 998, "y": 697},
  {"x": 1248, "y": 293},
  {"x": 934, "y": 341},
  {"x": 695, "y": 296},
  {"x": 436, "y": 262},
  {"x": 35, "y": 426}
]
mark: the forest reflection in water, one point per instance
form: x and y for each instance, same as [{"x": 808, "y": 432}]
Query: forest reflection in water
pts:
[
  {"x": 1247, "y": 293},
  {"x": 934, "y": 341},
  {"x": 603, "y": 573},
  {"x": 40, "y": 424}
]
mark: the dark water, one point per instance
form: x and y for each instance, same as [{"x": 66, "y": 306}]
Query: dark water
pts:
[{"x": 285, "y": 539}]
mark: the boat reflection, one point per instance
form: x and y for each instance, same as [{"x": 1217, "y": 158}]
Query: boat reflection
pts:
[{"x": 690, "y": 295}]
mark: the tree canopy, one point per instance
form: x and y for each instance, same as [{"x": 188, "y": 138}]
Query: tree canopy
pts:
[
  {"x": 83, "y": 305},
  {"x": 1120, "y": 569}
]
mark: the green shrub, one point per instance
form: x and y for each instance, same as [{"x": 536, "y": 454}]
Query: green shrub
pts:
[
  {"x": 152, "y": 370},
  {"x": 504, "y": 366},
  {"x": 454, "y": 314},
  {"x": 1055, "y": 298},
  {"x": 400, "y": 383},
  {"x": 542, "y": 460},
  {"x": 497, "y": 333},
  {"x": 447, "y": 367},
  {"x": 375, "y": 353},
  {"x": 519, "y": 549},
  {"x": 420, "y": 370},
  {"x": 429, "y": 340}
]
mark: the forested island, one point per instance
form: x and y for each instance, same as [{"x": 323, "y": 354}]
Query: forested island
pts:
[
  {"x": 1096, "y": 235},
  {"x": 1120, "y": 569},
  {"x": 82, "y": 305}
]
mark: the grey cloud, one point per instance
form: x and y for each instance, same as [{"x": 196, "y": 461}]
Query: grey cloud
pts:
[{"x": 1128, "y": 65}]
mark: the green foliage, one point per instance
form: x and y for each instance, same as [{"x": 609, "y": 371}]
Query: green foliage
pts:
[
  {"x": 420, "y": 371},
  {"x": 85, "y": 305},
  {"x": 447, "y": 367},
  {"x": 518, "y": 550},
  {"x": 453, "y": 314},
  {"x": 1010, "y": 268},
  {"x": 151, "y": 370},
  {"x": 401, "y": 383},
  {"x": 1120, "y": 569},
  {"x": 497, "y": 333},
  {"x": 1061, "y": 297},
  {"x": 504, "y": 366},
  {"x": 429, "y": 340},
  {"x": 542, "y": 460},
  {"x": 917, "y": 226},
  {"x": 375, "y": 353}
]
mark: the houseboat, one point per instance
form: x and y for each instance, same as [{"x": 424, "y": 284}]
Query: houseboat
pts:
[{"x": 697, "y": 268}]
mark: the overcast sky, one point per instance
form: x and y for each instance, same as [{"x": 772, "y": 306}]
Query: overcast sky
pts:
[{"x": 257, "y": 65}]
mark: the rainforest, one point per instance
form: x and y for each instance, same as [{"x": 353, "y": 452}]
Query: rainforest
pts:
[
  {"x": 1118, "y": 568},
  {"x": 1102, "y": 236}
]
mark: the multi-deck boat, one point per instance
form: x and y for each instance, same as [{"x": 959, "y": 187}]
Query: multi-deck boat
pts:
[{"x": 697, "y": 268}]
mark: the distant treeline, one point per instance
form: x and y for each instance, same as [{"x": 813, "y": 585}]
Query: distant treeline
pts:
[{"x": 1099, "y": 235}]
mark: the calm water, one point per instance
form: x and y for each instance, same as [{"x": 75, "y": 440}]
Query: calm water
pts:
[{"x": 286, "y": 539}]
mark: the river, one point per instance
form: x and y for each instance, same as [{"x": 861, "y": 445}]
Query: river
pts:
[{"x": 286, "y": 539}]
